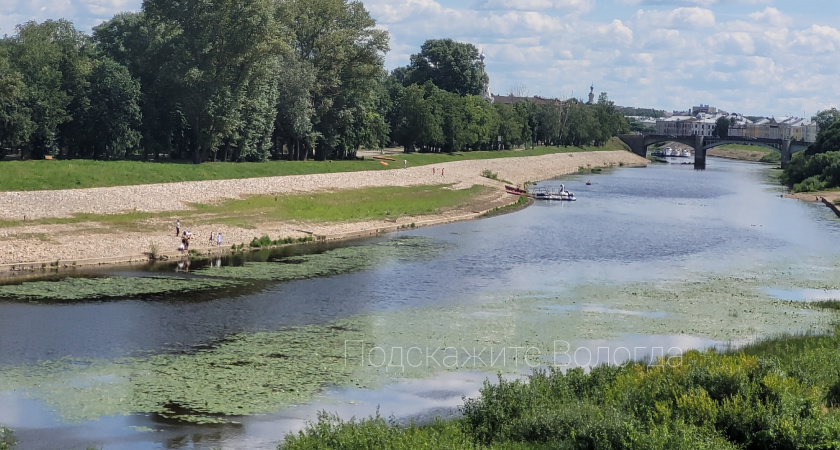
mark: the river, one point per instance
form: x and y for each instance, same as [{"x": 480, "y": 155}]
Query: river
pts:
[{"x": 648, "y": 262}]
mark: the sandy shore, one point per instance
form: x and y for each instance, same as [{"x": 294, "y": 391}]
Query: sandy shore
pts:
[{"x": 94, "y": 243}]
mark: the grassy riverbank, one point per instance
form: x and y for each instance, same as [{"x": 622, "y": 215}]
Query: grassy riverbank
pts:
[
  {"x": 781, "y": 393},
  {"x": 72, "y": 174},
  {"x": 377, "y": 203},
  {"x": 745, "y": 152}
]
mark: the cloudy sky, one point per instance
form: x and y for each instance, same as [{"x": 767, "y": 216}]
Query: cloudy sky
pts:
[{"x": 756, "y": 57}]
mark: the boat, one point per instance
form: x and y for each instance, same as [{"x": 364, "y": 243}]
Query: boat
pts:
[
  {"x": 553, "y": 194},
  {"x": 515, "y": 190},
  {"x": 384, "y": 157},
  {"x": 588, "y": 183}
]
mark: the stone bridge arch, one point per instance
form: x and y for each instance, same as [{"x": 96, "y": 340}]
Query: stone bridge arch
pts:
[{"x": 638, "y": 144}]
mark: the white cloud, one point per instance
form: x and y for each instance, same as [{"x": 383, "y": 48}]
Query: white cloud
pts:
[
  {"x": 817, "y": 39},
  {"x": 536, "y": 5},
  {"x": 683, "y": 18},
  {"x": 727, "y": 42},
  {"x": 616, "y": 33},
  {"x": 771, "y": 16}
]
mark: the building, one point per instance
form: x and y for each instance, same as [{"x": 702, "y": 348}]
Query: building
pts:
[
  {"x": 703, "y": 109},
  {"x": 704, "y": 124}
]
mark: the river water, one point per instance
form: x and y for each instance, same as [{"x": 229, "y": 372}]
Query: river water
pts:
[{"x": 648, "y": 262}]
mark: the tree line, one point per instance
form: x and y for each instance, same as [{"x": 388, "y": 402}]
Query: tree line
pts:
[
  {"x": 253, "y": 80},
  {"x": 818, "y": 167}
]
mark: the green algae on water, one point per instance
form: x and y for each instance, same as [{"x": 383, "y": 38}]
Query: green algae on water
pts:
[
  {"x": 70, "y": 289},
  {"x": 243, "y": 375},
  {"x": 333, "y": 262}
]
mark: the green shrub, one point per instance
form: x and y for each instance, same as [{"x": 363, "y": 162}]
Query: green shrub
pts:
[
  {"x": 810, "y": 184},
  {"x": 7, "y": 439}
]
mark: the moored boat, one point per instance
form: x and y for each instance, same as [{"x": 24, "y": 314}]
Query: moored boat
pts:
[{"x": 553, "y": 194}]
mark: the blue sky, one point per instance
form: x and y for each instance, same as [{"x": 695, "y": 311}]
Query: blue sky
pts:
[{"x": 756, "y": 57}]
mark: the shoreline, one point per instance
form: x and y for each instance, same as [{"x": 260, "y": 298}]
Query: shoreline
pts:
[{"x": 38, "y": 249}]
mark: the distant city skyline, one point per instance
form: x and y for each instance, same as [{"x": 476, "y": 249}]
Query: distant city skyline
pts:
[{"x": 754, "y": 57}]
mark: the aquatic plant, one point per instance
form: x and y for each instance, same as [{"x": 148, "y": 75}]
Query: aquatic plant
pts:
[
  {"x": 240, "y": 375},
  {"x": 70, "y": 289},
  {"x": 265, "y": 241},
  {"x": 332, "y": 262}
]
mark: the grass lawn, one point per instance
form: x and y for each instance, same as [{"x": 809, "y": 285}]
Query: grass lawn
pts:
[
  {"x": 749, "y": 153},
  {"x": 57, "y": 174},
  {"x": 342, "y": 206}
]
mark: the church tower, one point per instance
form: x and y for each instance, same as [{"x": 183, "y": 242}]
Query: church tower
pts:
[{"x": 486, "y": 94}]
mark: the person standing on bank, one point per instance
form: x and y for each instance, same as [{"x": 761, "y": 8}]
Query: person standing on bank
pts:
[
  {"x": 219, "y": 239},
  {"x": 177, "y": 227}
]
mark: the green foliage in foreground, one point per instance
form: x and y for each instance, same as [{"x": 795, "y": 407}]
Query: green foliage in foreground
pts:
[
  {"x": 72, "y": 174},
  {"x": 778, "y": 394},
  {"x": 7, "y": 439}
]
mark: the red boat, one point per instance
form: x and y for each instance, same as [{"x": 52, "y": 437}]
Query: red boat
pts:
[{"x": 515, "y": 190}]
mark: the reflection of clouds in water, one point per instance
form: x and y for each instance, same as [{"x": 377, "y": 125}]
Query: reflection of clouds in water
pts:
[
  {"x": 18, "y": 411},
  {"x": 804, "y": 294},
  {"x": 639, "y": 347}
]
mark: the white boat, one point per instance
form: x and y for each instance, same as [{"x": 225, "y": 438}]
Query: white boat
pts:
[{"x": 553, "y": 194}]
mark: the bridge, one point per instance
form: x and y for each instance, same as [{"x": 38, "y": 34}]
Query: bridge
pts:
[{"x": 639, "y": 143}]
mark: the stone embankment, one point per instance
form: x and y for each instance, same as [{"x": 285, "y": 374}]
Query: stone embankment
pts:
[{"x": 93, "y": 242}]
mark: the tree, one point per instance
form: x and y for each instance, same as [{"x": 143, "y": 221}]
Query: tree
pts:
[
  {"x": 721, "y": 127},
  {"x": 339, "y": 39},
  {"x": 293, "y": 126},
  {"x": 417, "y": 124},
  {"x": 826, "y": 118},
  {"x": 828, "y": 140},
  {"x": 218, "y": 52},
  {"x": 142, "y": 46},
  {"x": 114, "y": 114},
  {"x": 15, "y": 122},
  {"x": 451, "y": 66},
  {"x": 512, "y": 125},
  {"x": 37, "y": 53}
]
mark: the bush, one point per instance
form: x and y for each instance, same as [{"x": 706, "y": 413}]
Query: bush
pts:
[
  {"x": 810, "y": 184},
  {"x": 7, "y": 439}
]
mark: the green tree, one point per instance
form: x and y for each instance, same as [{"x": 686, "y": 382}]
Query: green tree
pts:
[
  {"x": 114, "y": 114},
  {"x": 417, "y": 124},
  {"x": 296, "y": 79},
  {"x": 37, "y": 53},
  {"x": 15, "y": 122},
  {"x": 451, "y": 66},
  {"x": 826, "y": 118},
  {"x": 513, "y": 125},
  {"x": 340, "y": 40},
  {"x": 218, "y": 52},
  {"x": 721, "y": 127},
  {"x": 142, "y": 46},
  {"x": 610, "y": 121}
]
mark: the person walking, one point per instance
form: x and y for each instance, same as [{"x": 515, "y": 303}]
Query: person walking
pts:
[
  {"x": 219, "y": 239},
  {"x": 177, "y": 227}
]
